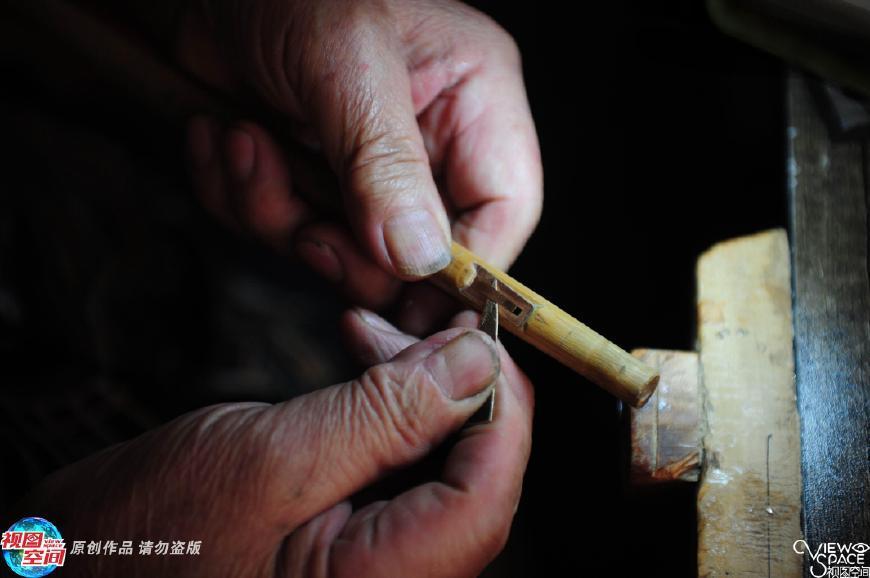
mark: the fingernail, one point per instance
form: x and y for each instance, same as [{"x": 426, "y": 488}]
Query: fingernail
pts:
[
  {"x": 464, "y": 367},
  {"x": 375, "y": 321},
  {"x": 240, "y": 153},
  {"x": 416, "y": 243},
  {"x": 201, "y": 134},
  {"x": 322, "y": 258}
]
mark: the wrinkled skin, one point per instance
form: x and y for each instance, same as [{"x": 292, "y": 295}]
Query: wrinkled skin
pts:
[
  {"x": 420, "y": 111},
  {"x": 398, "y": 96},
  {"x": 265, "y": 487}
]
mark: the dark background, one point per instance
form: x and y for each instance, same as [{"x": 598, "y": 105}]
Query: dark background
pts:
[{"x": 660, "y": 136}]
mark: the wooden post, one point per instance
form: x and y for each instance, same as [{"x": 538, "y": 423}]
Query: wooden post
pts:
[{"x": 749, "y": 499}]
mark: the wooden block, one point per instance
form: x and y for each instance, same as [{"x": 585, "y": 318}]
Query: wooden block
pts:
[
  {"x": 665, "y": 433},
  {"x": 749, "y": 499}
]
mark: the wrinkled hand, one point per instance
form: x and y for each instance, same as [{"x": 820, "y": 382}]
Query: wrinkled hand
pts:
[
  {"x": 419, "y": 108},
  {"x": 265, "y": 487}
]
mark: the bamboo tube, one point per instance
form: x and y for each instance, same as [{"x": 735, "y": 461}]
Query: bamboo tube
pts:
[
  {"x": 171, "y": 94},
  {"x": 540, "y": 323}
]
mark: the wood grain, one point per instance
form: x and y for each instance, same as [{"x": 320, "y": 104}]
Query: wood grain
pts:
[
  {"x": 828, "y": 198},
  {"x": 749, "y": 498}
]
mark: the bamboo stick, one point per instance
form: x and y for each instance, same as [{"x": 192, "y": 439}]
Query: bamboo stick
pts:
[{"x": 540, "y": 323}]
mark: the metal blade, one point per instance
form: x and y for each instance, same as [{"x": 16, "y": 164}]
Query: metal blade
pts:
[
  {"x": 489, "y": 320},
  {"x": 489, "y": 325}
]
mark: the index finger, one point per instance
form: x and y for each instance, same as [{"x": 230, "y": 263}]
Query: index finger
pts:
[{"x": 481, "y": 135}]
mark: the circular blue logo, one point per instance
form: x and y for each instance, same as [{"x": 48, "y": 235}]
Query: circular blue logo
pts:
[{"x": 33, "y": 547}]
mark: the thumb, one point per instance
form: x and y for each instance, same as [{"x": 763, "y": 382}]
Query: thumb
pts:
[
  {"x": 362, "y": 106},
  {"x": 345, "y": 436}
]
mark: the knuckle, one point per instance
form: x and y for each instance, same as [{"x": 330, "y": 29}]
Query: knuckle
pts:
[
  {"x": 391, "y": 407},
  {"x": 495, "y": 536},
  {"x": 346, "y": 30},
  {"x": 507, "y": 43},
  {"x": 494, "y": 35},
  {"x": 272, "y": 213},
  {"x": 385, "y": 165},
  {"x": 532, "y": 212},
  {"x": 507, "y": 51},
  {"x": 499, "y": 538},
  {"x": 338, "y": 42}
]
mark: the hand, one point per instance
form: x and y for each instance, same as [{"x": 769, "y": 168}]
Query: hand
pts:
[
  {"x": 265, "y": 487},
  {"x": 420, "y": 110}
]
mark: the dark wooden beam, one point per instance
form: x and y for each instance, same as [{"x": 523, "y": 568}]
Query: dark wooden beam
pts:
[{"x": 828, "y": 202}]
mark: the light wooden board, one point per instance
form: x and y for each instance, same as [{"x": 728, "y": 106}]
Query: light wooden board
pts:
[
  {"x": 828, "y": 197},
  {"x": 749, "y": 498}
]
